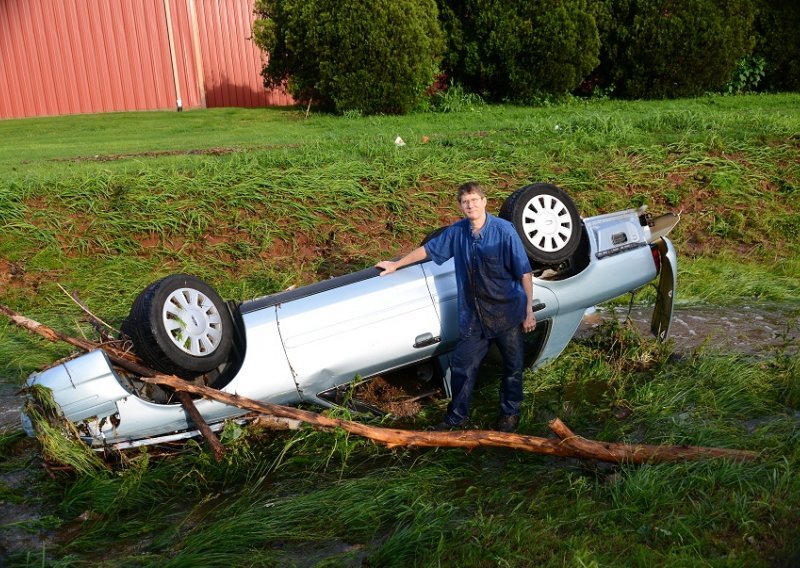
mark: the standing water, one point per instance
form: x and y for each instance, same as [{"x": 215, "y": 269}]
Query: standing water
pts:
[{"x": 742, "y": 329}]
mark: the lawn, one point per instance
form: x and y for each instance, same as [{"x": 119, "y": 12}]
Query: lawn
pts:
[{"x": 257, "y": 200}]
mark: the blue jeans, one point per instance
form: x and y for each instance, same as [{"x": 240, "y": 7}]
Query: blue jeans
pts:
[{"x": 466, "y": 361}]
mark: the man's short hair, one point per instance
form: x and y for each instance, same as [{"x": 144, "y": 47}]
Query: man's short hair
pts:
[{"x": 470, "y": 187}]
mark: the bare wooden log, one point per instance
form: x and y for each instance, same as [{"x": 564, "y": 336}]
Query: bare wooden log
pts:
[
  {"x": 568, "y": 445},
  {"x": 188, "y": 404}
]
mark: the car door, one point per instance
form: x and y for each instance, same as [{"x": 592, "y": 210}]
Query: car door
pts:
[
  {"x": 441, "y": 281},
  {"x": 667, "y": 283},
  {"x": 360, "y": 329}
]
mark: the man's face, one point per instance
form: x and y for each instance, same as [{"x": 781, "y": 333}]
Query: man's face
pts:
[{"x": 473, "y": 206}]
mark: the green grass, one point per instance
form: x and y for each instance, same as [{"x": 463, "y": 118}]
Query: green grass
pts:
[{"x": 257, "y": 200}]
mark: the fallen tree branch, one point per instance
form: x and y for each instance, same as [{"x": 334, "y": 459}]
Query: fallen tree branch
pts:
[
  {"x": 640, "y": 453},
  {"x": 568, "y": 445},
  {"x": 119, "y": 357},
  {"x": 213, "y": 442}
]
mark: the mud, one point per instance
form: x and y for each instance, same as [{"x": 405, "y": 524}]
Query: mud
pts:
[
  {"x": 10, "y": 405},
  {"x": 746, "y": 329}
]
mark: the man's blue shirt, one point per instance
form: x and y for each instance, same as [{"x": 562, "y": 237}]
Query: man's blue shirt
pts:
[{"x": 489, "y": 269}]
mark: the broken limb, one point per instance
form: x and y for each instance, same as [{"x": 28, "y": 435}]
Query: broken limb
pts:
[
  {"x": 213, "y": 442},
  {"x": 567, "y": 445},
  {"x": 117, "y": 356},
  {"x": 640, "y": 453}
]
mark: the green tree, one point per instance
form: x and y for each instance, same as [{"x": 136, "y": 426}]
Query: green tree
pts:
[
  {"x": 676, "y": 48},
  {"x": 373, "y": 56},
  {"x": 778, "y": 43},
  {"x": 519, "y": 49}
]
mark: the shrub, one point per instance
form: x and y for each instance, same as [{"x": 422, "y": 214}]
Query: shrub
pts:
[
  {"x": 519, "y": 49},
  {"x": 779, "y": 43},
  {"x": 747, "y": 77},
  {"x": 371, "y": 56},
  {"x": 676, "y": 48}
]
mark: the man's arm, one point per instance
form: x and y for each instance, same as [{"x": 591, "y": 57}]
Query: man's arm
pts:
[
  {"x": 416, "y": 255},
  {"x": 530, "y": 320}
]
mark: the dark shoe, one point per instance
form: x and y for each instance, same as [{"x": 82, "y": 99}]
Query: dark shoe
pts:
[{"x": 507, "y": 424}]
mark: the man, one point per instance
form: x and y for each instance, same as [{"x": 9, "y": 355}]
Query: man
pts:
[{"x": 495, "y": 291}]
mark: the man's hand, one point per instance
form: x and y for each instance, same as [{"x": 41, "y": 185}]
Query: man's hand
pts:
[
  {"x": 387, "y": 266},
  {"x": 530, "y": 320},
  {"x": 530, "y": 323}
]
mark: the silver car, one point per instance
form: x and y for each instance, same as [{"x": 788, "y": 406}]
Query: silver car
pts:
[{"x": 304, "y": 344}]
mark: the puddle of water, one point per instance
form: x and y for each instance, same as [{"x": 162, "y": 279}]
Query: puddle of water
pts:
[
  {"x": 741, "y": 329},
  {"x": 10, "y": 407}
]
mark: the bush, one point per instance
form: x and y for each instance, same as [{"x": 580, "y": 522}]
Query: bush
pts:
[
  {"x": 779, "y": 43},
  {"x": 371, "y": 56},
  {"x": 676, "y": 48},
  {"x": 747, "y": 77},
  {"x": 519, "y": 49}
]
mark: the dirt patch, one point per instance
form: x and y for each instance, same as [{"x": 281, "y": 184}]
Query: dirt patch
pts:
[{"x": 14, "y": 275}]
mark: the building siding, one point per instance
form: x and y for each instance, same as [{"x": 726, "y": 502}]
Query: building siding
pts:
[{"x": 86, "y": 56}]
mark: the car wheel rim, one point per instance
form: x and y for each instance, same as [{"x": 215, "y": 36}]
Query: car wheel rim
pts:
[
  {"x": 192, "y": 321},
  {"x": 547, "y": 223}
]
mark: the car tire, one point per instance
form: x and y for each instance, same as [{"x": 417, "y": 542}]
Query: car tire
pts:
[
  {"x": 179, "y": 325},
  {"x": 546, "y": 220}
]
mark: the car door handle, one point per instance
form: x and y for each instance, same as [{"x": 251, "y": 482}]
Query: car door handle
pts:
[
  {"x": 425, "y": 340},
  {"x": 538, "y": 305}
]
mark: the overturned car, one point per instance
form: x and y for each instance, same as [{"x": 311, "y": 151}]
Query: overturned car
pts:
[{"x": 304, "y": 345}]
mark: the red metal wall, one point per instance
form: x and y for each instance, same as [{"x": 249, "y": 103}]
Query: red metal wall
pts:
[{"x": 85, "y": 56}]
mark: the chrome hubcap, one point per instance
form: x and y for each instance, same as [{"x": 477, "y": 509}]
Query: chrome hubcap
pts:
[
  {"x": 546, "y": 223},
  {"x": 192, "y": 321}
]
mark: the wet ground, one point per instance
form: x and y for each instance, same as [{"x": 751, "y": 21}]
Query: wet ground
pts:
[
  {"x": 9, "y": 406},
  {"x": 741, "y": 329}
]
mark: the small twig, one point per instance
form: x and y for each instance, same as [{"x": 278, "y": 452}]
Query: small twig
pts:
[
  {"x": 93, "y": 318},
  {"x": 420, "y": 396}
]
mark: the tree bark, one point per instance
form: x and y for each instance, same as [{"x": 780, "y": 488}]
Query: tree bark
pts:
[
  {"x": 188, "y": 404},
  {"x": 118, "y": 356},
  {"x": 567, "y": 445}
]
